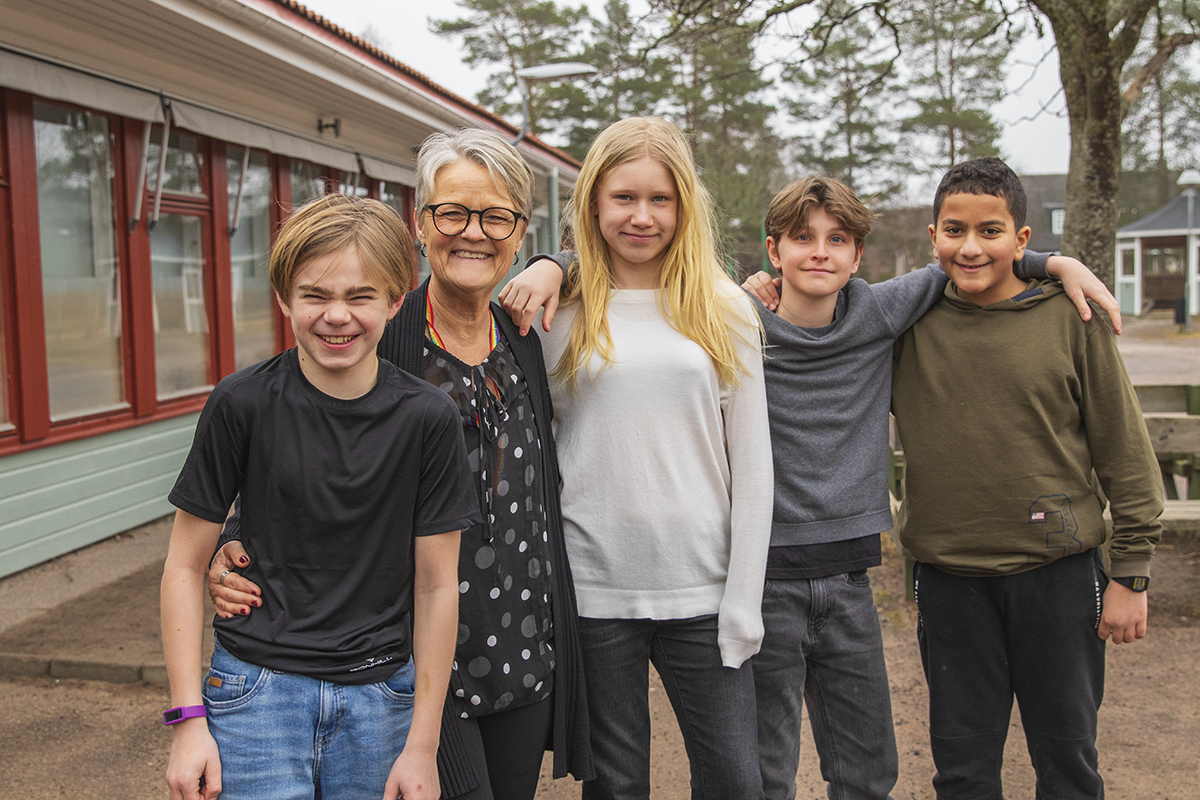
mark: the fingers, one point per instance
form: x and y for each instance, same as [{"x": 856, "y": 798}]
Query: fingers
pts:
[
  {"x": 1114, "y": 314},
  {"x": 229, "y": 556},
  {"x": 212, "y": 784},
  {"x": 1122, "y": 634},
  {"x": 518, "y": 303},
  {"x": 548, "y": 314},
  {"x": 1081, "y": 305},
  {"x": 1129, "y": 633},
  {"x": 765, "y": 288},
  {"x": 232, "y": 594},
  {"x": 236, "y": 597}
]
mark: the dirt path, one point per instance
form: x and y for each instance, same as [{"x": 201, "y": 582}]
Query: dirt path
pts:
[{"x": 88, "y": 739}]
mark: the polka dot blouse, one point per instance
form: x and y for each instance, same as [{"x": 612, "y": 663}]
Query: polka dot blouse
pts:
[{"x": 504, "y": 657}]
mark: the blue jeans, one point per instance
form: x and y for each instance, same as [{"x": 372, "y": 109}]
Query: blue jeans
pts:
[
  {"x": 822, "y": 645},
  {"x": 713, "y": 704},
  {"x": 285, "y": 737}
]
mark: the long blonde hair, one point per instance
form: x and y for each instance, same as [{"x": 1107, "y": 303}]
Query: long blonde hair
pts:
[{"x": 695, "y": 296}]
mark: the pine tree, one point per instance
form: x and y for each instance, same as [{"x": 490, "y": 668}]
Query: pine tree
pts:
[
  {"x": 719, "y": 100},
  {"x": 633, "y": 79},
  {"x": 954, "y": 58},
  {"x": 1162, "y": 131},
  {"x": 844, "y": 89},
  {"x": 515, "y": 34}
]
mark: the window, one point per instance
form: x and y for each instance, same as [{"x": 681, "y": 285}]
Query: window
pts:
[
  {"x": 1128, "y": 262},
  {"x": 81, "y": 284},
  {"x": 307, "y": 182},
  {"x": 1057, "y": 217},
  {"x": 181, "y": 336},
  {"x": 183, "y": 172},
  {"x": 250, "y": 246},
  {"x": 353, "y": 184},
  {"x": 393, "y": 194}
]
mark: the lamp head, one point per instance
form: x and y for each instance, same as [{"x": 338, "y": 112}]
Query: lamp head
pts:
[{"x": 565, "y": 69}]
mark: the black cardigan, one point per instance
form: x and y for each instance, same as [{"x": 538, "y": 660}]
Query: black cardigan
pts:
[{"x": 403, "y": 345}]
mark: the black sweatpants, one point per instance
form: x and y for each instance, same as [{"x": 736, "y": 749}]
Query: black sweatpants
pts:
[{"x": 1032, "y": 635}]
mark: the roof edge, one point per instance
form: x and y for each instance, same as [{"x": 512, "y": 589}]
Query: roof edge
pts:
[{"x": 312, "y": 18}]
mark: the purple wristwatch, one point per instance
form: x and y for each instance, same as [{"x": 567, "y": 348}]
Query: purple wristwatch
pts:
[{"x": 181, "y": 713}]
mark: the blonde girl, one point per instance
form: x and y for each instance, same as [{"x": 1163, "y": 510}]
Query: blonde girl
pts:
[{"x": 665, "y": 457}]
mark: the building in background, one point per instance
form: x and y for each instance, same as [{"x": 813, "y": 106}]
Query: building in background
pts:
[
  {"x": 1154, "y": 267},
  {"x": 148, "y": 151}
]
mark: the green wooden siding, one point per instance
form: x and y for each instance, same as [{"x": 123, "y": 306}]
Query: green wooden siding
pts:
[{"x": 57, "y": 499}]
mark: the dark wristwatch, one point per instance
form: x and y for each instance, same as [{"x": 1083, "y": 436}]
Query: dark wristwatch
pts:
[{"x": 1138, "y": 584}]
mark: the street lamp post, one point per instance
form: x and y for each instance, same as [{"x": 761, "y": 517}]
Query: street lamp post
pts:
[
  {"x": 545, "y": 72},
  {"x": 1190, "y": 179}
]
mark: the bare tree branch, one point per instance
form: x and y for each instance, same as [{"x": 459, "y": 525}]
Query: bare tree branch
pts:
[
  {"x": 1045, "y": 109},
  {"x": 1166, "y": 48}
]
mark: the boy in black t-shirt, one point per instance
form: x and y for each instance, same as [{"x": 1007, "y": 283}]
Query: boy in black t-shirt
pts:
[{"x": 354, "y": 485}]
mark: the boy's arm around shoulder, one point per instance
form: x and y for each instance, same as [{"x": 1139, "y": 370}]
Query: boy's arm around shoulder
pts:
[
  {"x": 193, "y": 750},
  {"x": 905, "y": 298},
  {"x": 435, "y": 627},
  {"x": 1127, "y": 469},
  {"x": 905, "y": 303},
  {"x": 1080, "y": 284}
]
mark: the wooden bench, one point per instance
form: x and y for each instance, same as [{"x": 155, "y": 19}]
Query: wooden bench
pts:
[
  {"x": 1182, "y": 517},
  {"x": 1175, "y": 438},
  {"x": 1169, "y": 399}
]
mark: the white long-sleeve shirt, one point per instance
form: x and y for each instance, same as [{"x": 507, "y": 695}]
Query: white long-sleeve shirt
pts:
[{"x": 667, "y": 475}]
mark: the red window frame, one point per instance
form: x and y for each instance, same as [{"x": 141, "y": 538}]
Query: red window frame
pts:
[{"x": 23, "y": 319}]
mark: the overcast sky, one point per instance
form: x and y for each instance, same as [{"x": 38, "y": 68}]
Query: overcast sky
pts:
[{"x": 1036, "y": 147}]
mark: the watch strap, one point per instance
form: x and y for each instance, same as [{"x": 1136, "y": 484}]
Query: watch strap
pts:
[
  {"x": 180, "y": 713},
  {"x": 1137, "y": 584}
]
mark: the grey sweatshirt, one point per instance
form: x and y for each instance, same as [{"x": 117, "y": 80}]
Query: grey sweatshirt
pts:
[{"x": 828, "y": 397}]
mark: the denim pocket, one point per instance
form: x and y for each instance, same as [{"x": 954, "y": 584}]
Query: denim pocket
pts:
[
  {"x": 230, "y": 682},
  {"x": 401, "y": 685}
]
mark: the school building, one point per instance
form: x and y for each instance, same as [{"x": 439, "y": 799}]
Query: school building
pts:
[{"x": 148, "y": 150}]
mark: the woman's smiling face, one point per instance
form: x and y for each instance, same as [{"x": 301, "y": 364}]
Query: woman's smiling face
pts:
[{"x": 468, "y": 263}]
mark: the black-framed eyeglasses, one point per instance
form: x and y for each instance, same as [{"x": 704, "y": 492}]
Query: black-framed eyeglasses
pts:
[{"x": 497, "y": 222}]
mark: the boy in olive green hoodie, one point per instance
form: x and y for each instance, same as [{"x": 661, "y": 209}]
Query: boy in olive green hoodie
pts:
[{"x": 1010, "y": 408}]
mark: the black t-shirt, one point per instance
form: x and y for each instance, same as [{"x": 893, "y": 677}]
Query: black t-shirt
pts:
[
  {"x": 332, "y": 494},
  {"x": 804, "y": 561}
]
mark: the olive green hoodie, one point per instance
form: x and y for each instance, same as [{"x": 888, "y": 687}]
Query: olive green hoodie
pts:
[{"x": 1004, "y": 412}]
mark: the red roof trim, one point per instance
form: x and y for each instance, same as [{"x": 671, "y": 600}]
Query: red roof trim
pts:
[{"x": 411, "y": 75}]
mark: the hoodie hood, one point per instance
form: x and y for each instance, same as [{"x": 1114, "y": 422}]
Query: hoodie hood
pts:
[{"x": 1035, "y": 292}]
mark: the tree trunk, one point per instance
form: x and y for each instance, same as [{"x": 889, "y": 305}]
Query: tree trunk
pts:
[{"x": 1090, "y": 74}]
